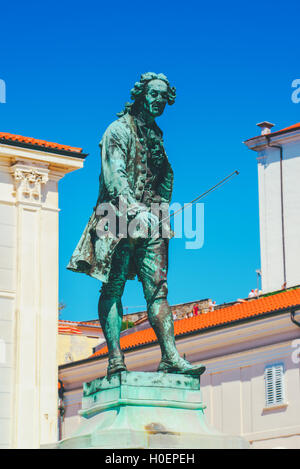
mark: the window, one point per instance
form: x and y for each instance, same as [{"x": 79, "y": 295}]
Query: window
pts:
[{"x": 274, "y": 385}]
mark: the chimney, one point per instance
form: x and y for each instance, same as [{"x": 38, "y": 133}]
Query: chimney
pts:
[{"x": 265, "y": 127}]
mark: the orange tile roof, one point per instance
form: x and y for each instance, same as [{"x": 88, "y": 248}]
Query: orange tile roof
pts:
[
  {"x": 67, "y": 321},
  {"x": 286, "y": 129},
  {"x": 75, "y": 327},
  {"x": 37, "y": 142},
  {"x": 253, "y": 308},
  {"x": 95, "y": 323},
  {"x": 68, "y": 327}
]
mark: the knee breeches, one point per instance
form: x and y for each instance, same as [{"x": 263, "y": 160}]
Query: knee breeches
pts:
[{"x": 150, "y": 259}]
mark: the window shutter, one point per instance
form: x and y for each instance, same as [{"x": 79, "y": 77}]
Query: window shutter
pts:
[{"x": 274, "y": 385}]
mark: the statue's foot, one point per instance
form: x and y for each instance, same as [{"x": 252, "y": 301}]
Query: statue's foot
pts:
[
  {"x": 179, "y": 365},
  {"x": 115, "y": 365}
]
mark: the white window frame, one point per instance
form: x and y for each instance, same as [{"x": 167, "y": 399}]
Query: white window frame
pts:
[{"x": 275, "y": 385}]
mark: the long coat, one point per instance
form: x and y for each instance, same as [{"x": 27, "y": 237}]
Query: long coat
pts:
[{"x": 123, "y": 174}]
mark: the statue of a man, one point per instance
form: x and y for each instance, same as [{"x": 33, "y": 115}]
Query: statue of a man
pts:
[{"x": 135, "y": 173}]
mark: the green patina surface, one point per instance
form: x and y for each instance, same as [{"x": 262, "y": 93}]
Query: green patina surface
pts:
[
  {"x": 141, "y": 389},
  {"x": 136, "y": 173},
  {"x": 142, "y": 379},
  {"x": 146, "y": 410}
]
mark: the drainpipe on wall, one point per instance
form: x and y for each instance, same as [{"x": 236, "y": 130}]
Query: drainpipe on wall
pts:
[
  {"x": 61, "y": 407},
  {"x": 293, "y": 312},
  {"x": 282, "y": 207}
]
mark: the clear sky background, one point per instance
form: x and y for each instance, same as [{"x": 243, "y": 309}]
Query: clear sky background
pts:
[{"x": 69, "y": 68}]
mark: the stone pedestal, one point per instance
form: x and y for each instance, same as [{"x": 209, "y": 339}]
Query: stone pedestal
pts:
[{"x": 146, "y": 410}]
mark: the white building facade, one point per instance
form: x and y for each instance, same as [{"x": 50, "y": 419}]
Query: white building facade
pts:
[
  {"x": 29, "y": 173},
  {"x": 278, "y": 156}
]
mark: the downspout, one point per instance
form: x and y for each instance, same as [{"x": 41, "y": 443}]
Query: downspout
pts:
[
  {"x": 61, "y": 408},
  {"x": 293, "y": 318},
  {"x": 282, "y": 207}
]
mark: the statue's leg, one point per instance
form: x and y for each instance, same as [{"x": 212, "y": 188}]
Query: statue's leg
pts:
[
  {"x": 152, "y": 256},
  {"x": 151, "y": 260},
  {"x": 160, "y": 318},
  {"x": 110, "y": 315},
  {"x": 110, "y": 306}
]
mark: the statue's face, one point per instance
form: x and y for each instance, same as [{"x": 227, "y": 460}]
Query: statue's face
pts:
[{"x": 156, "y": 97}]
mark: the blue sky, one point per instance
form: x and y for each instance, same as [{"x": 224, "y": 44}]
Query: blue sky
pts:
[{"x": 69, "y": 68}]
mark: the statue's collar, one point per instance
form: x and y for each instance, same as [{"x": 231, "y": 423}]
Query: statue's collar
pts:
[{"x": 143, "y": 126}]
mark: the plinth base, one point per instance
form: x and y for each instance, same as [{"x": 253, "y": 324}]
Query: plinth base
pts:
[{"x": 146, "y": 410}]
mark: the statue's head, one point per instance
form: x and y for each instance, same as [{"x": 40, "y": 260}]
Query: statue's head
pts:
[{"x": 151, "y": 94}]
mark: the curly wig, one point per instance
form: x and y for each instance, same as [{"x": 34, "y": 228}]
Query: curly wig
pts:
[{"x": 139, "y": 90}]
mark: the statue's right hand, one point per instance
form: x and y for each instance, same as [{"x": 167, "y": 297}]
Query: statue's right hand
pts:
[{"x": 143, "y": 224}]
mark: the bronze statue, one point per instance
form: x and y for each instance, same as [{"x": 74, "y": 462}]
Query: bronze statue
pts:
[{"x": 136, "y": 173}]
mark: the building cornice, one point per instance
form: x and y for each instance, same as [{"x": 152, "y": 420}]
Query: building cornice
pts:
[
  {"x": 58, "y": 163},
  {"x": 263, "y": 141}
]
